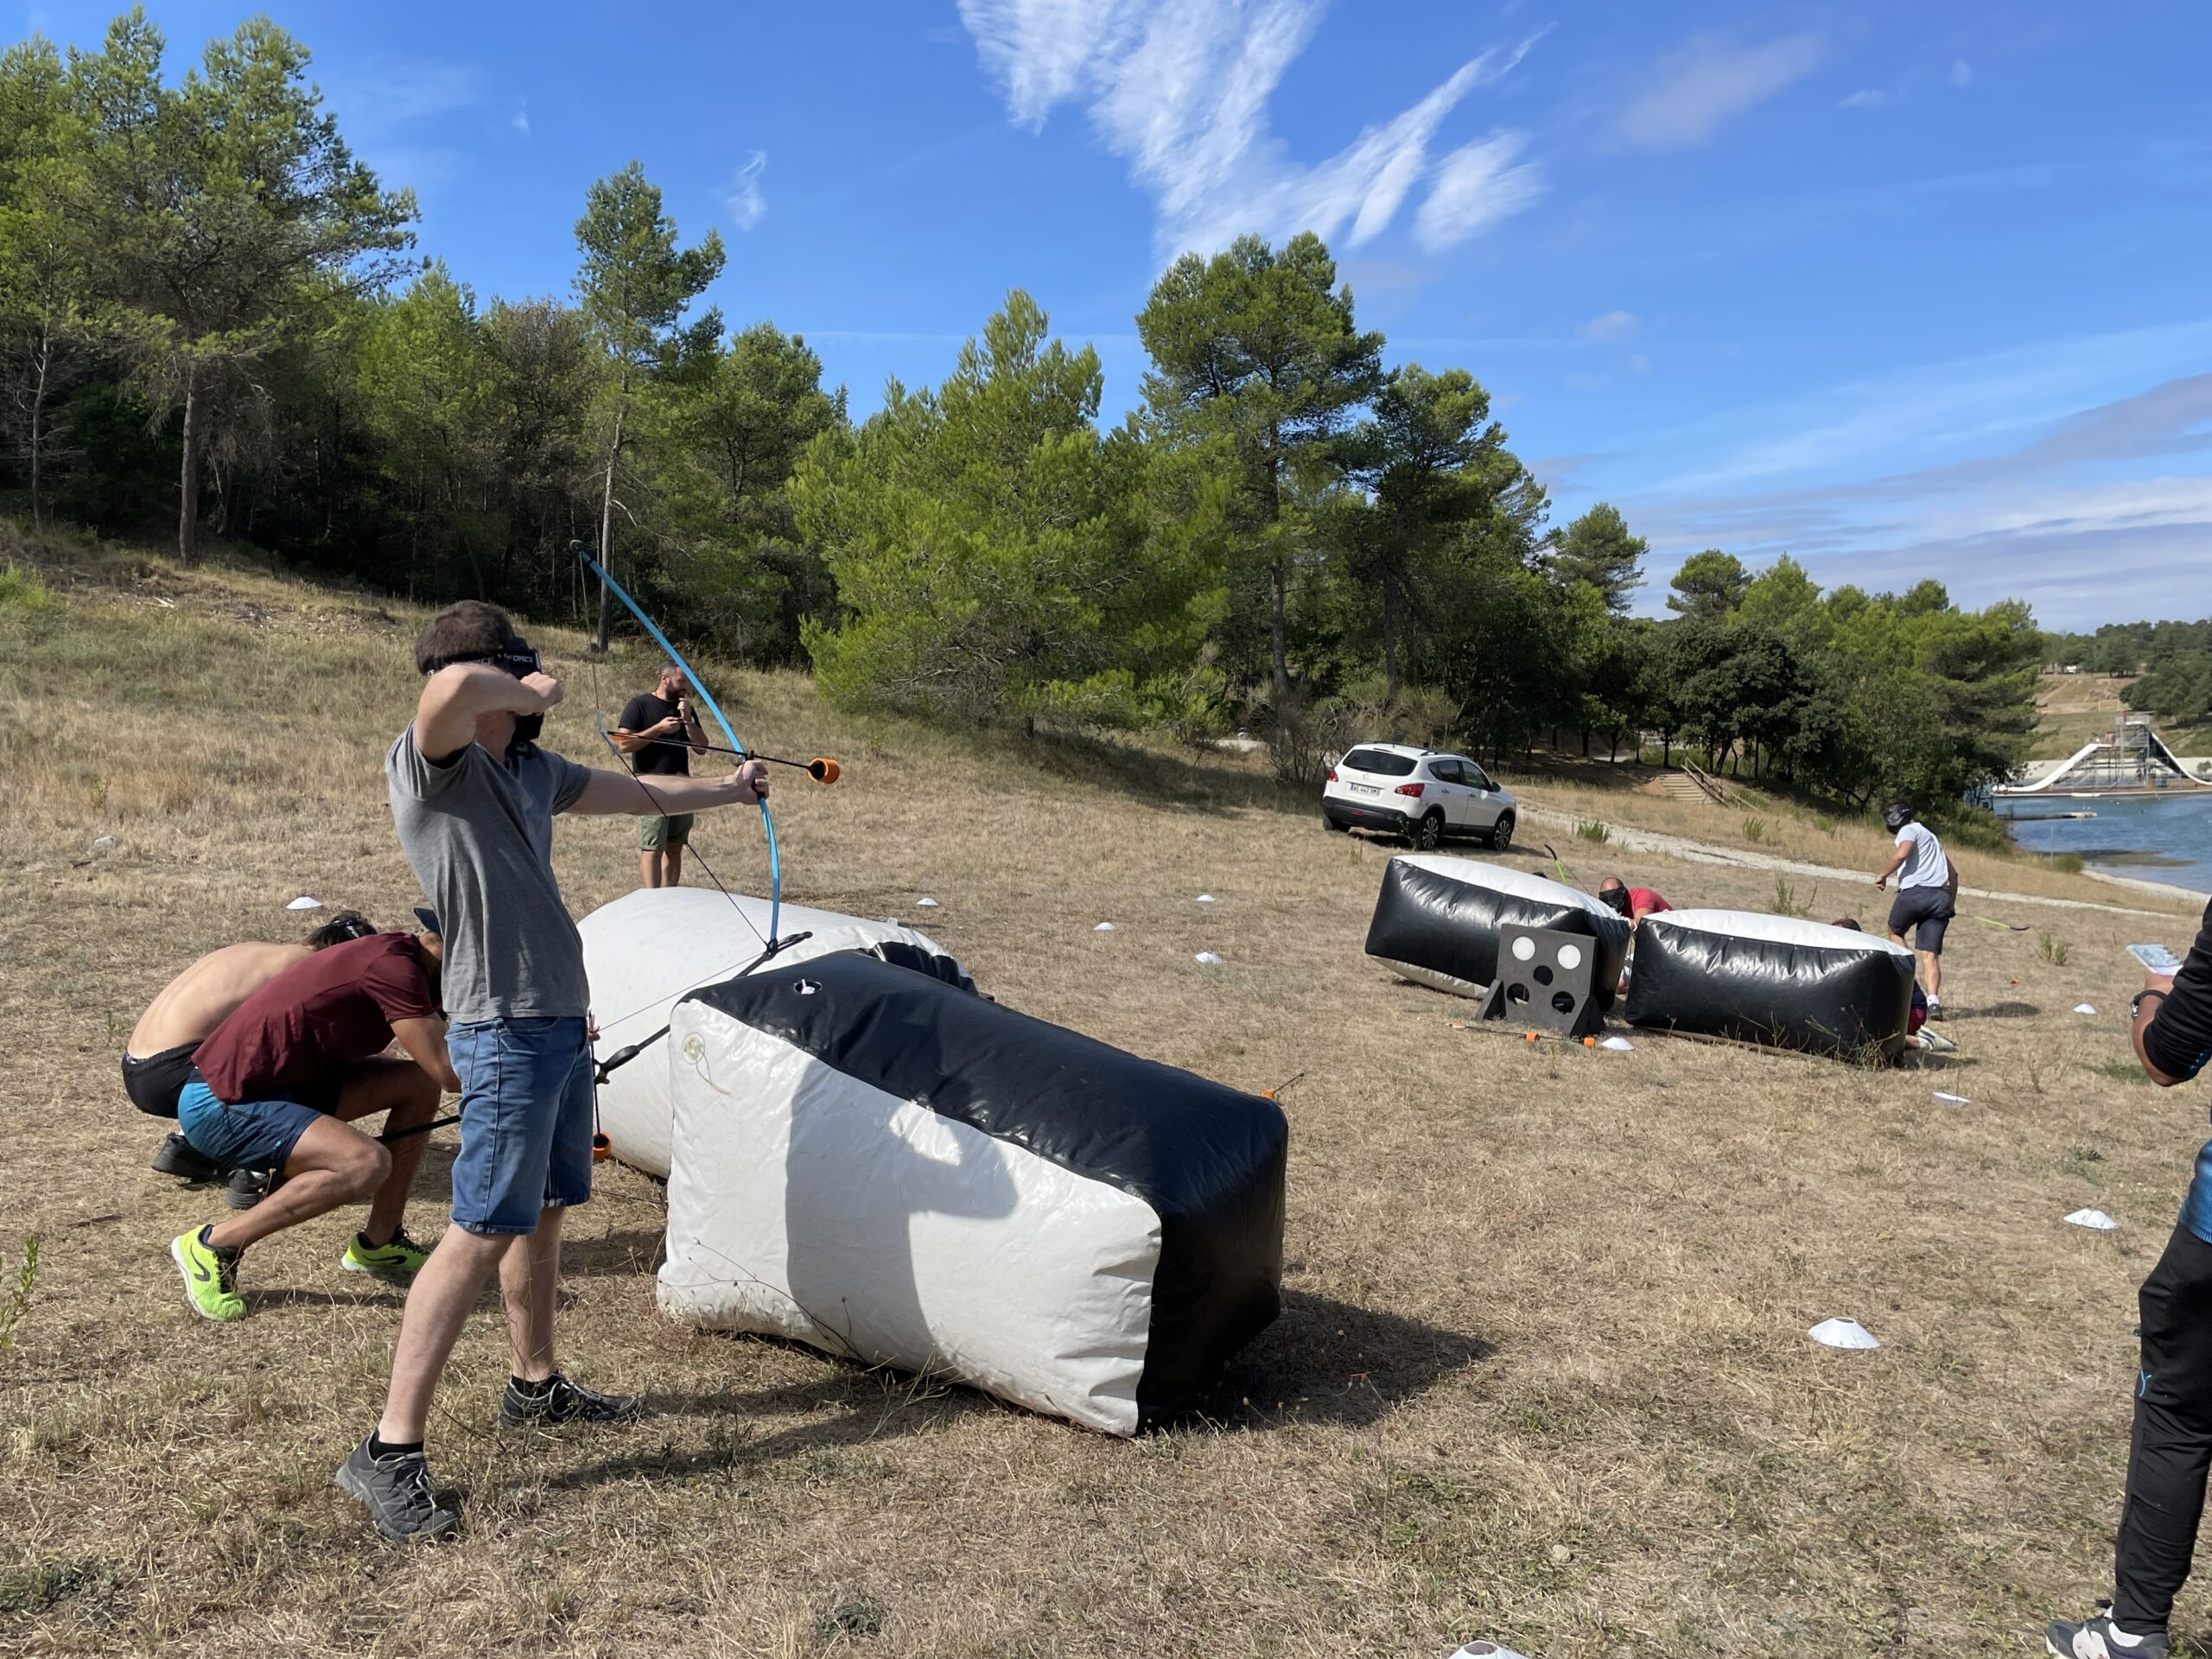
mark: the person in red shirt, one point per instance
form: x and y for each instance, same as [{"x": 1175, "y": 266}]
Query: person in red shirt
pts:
[
  {"x": 1635, "y": 903},
  {"x": 277, "y": 1084}
]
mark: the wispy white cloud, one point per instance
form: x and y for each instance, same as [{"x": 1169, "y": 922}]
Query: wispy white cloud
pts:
[
  {"x": 1708, "y": 79},
  {"x": 2092, "y": 508},
  {"x": 1180, "y": 88},
  {"x": 744, "y": 197},
  {"x": 1613, "y": 325},
  {"x": 1961, "y": 72},
  {"x": 396, "y": 113},
  {"x": 1476, "y": 186},
  {"x": 1866, "y": 98},
  {"x": 520, "y": 120}
]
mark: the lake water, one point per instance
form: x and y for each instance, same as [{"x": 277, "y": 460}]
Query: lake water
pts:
[{"x": 2153, "y": 838}]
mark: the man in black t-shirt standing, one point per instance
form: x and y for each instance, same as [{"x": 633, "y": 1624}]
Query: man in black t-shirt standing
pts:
[{"x": 659, "y": 729}]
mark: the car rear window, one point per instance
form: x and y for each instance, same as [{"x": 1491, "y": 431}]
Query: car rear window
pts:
[{"x": 1380, "y": 761}]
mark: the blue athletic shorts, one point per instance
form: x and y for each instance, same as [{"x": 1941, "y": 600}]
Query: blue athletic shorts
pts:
[
  {"x": 251, "y": 1135},
  {"x": 526, "y": 1122}
]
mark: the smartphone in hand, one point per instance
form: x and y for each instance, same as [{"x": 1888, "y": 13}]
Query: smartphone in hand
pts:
[{"x": 2156, "y": 959}]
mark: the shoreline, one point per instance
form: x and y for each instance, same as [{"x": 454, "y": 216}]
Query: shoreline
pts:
[{"x": 2136, "y": 883}]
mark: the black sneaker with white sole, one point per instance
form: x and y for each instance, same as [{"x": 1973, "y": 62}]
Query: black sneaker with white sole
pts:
[
  {"x": 176, "y": 1156},
  {"x": 395, "y": 1490},
  {"x": 248, "y": 1187},
  {"x": 559, "y": 1401},
  {"x": 2098, "y": 1638}
]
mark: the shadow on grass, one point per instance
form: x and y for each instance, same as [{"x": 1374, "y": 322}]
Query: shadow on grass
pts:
[
  {"x": 1187, "y": 782},
  {"x": 807, "y": 1422},
  {"x": 1327, "y": 1361},
  {"x": 1324, "y": 1361},
  {"x": 1998, "y": 1010},
  {"x": 635, "y": 1254}
]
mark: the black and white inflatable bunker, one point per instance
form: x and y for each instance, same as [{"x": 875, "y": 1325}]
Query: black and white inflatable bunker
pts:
[
  {"x": 874, "y": 1163},
  {"x": 646, "y": 949},
  {"x": 1437, "y": 921},
  {"x": 1773, "y": 979}
]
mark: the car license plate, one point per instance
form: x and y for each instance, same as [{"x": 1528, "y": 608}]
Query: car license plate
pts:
[{"x": 1367, "y": 789}]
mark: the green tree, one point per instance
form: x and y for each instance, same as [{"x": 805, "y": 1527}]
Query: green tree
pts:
[
  {"x": 43, "y": 255},
  {"x": 988, "y": 544},
  {"x": 1429, "y": 457},
  {"x": 1255, "y": 352},
  {"x": 425, "y": 382},
  {"x": 730, "y": 436},
  {"x": 1709, "y": 585},
  {"x": 635, "y": 285},
  {"x": 1597, "y": 548},
  {"x": 544, "y": 372},
  {"x": 226, "y": 210}
]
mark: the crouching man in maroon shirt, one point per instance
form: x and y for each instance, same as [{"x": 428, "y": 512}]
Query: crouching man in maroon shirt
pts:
[{"x": 277, "y": 1084}]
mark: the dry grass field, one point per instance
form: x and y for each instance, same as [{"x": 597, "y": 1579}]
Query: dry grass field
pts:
[{"x": 1541, "y": 1374}]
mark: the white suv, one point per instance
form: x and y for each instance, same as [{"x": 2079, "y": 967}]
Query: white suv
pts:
[{"x": 1418, "y": 793}]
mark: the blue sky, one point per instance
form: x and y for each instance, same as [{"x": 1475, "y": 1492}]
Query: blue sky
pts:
[{"x": 1904, "y": 290}]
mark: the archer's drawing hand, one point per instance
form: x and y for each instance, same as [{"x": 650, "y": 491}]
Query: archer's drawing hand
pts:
[
  {"x": 750, "y": 782},
  {"x": 547, "y": 688}
]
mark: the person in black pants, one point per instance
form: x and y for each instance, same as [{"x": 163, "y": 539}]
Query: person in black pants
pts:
[{"x": 2172, "y": 1450}]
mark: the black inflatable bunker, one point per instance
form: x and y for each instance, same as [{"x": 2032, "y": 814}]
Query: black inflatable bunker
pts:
[
  {"x": 1437, "y": 922},
  {"x": 872, "y": 1161},
  {"x": 1774, "y": 980}
]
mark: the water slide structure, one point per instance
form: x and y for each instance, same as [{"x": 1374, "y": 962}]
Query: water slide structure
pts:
[{"x": 2133, "y": 760}]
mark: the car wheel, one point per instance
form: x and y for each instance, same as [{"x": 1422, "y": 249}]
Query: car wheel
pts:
[
  {"x": 1429, "y": 835},
  {"x": 1501, "y": 835},
  {"x": 1331, "y": 824}
]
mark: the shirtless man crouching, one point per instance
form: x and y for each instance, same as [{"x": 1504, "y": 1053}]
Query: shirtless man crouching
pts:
[{"x": 157, "y": 1060}]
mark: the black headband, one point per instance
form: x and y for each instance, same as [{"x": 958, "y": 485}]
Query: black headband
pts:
[{"x": 516, "y": 656}]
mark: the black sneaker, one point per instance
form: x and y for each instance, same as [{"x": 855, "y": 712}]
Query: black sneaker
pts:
[
  {"x": 564, "y": 1402},
  {"x": 1935, "y": 1008},
  {"x": 248, "y": 1187},
  {"x": 176, "y": 1156},
  {"x": 396, "y": 1492},
  {"x": 2097, "y": 1638}
]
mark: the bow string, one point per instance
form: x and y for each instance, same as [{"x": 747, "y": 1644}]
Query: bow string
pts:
[{"x": 736, "y": 748}]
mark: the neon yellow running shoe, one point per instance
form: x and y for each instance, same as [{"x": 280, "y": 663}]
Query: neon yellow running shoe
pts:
[
  {"x": 210, "y": 1276},
  {"x": 395, "y": 1262}
]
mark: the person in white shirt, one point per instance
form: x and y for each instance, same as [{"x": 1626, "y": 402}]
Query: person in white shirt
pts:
[{"x": 1926, "y": 887}]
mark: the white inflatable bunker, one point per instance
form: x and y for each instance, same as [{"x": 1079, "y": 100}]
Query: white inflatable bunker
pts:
[
  {"x": 648, "y": 948},
  {"x": 872, "y": 1162}
]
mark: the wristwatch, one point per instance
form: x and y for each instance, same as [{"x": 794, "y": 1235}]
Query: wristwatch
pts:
[{"x": 2135, "y": 1002}]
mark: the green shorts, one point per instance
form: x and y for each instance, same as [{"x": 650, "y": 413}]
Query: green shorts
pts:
[{"x": 658, "y": 835}]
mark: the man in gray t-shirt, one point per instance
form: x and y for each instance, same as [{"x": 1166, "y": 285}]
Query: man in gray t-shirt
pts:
[{"x": 473, "y": 799}]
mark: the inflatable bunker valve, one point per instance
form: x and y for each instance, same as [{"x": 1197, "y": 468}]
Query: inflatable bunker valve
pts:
[
  {"x": 875, "y": 1164},
  {"x": 647, "y": 948},
  {"x": 1437, "y": 922},
  {"x": 1773, "y": 979}
]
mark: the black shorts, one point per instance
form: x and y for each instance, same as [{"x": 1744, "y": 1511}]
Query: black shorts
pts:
[
  {"x": 155, "y": 1082},
  {"x": 1930, "y": 910}
]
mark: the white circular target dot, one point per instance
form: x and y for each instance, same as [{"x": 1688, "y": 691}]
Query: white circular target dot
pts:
[
  {"x": 1570, "y": 956},
  {"x": 1524, "y": 949}
]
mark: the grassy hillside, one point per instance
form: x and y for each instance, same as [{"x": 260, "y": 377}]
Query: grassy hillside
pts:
[
  {"x": 2074, "y": 708},
  {"x": 1541, "y": 1374}
]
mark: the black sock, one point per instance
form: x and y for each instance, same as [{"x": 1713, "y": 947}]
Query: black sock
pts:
[
  {"x": 209, "y": 1243},
  {"x": 533, "y": 1391},
  {"x": 380, "y": 1447}
]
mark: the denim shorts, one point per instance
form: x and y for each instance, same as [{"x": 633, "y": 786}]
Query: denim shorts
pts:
[
  {"x": 526, "y": 1122},
  {"x": 251, "y": 1135}
]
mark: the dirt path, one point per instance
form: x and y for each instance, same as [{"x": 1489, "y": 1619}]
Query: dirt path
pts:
[{"x": 1697, "y": 852}]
